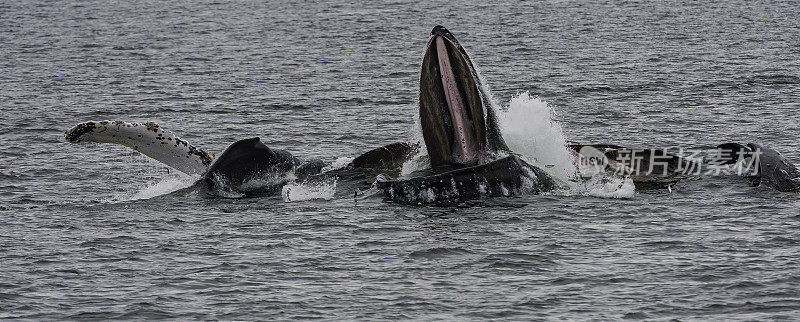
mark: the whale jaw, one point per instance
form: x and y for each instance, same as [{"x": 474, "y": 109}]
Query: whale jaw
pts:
[{"x": 451, "y": 104}]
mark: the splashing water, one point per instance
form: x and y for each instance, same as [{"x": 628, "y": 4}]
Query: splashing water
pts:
[
  {"x": 419, "y": 161},
  {"x": 169, "y": 184},
  {"x": 264, "y": 181},
  {"x": 309, "y": 190},
  {"x": 529, "y": 130},
  {"x": 222, "y": 188},
  {"x": 339, "y": 163},
  {"x": 605, "y": 186}
]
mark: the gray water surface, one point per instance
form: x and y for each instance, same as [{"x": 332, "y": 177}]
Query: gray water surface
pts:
[{"x": 333, "y": 79}]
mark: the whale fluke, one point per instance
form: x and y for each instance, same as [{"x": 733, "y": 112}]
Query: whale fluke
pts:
[{"x": 146, "y": 138}]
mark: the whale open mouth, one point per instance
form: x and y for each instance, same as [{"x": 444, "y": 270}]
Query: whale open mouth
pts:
[{"x": 450, "y": 104}]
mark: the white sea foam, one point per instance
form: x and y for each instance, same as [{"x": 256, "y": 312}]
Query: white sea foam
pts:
[
  {"x": 173, "y": 182},
  {"x": 263, "y": 181},
  {"x": 299, "y": 191},
  {"x": 339, "y": 163},
  {"x": 603, "y": 185}
]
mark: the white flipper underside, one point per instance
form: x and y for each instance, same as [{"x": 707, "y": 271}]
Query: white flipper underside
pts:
[{"x": 147, "y": 138}]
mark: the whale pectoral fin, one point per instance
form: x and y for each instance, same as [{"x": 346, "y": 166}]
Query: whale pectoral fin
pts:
[
  {"x": 387, "y": 157},
  {"x": 146, "y": 138}
]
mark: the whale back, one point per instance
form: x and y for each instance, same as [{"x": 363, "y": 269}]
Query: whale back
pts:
[
  {"x": 775, "y": 170},
  {"x": 250, "y": 167}
]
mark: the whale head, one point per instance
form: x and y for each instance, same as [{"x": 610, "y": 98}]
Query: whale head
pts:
[{"x": 458, "y": 123}]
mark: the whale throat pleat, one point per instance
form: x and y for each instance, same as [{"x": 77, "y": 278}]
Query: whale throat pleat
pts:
[
  {"x": 146, "y": 138},
  {"x": 461, "y": 127}
]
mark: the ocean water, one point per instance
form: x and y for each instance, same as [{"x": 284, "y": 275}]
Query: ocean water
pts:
[{"x": 101, "y": 232}]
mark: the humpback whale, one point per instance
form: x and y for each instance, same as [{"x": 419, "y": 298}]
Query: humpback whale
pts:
[
  {"x": 771, "y": 168},
  {"x": 654, "y": 168},
  {"x": 468, "y": 156},
  {"x": 247, "y": 168}
]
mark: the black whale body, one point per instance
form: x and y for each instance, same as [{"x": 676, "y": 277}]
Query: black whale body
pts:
[
  {"x": 463, "y": 141},
  {"x": 508, "y": 176}
]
